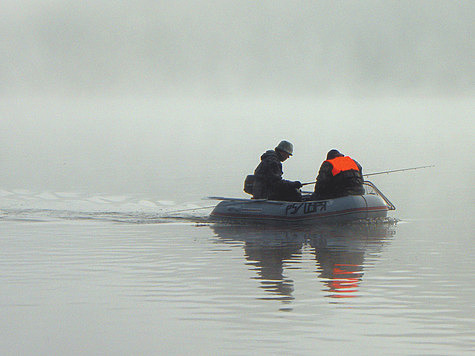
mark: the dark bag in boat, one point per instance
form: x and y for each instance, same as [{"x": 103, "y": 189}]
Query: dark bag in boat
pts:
[{"x": 249, "y": 184}]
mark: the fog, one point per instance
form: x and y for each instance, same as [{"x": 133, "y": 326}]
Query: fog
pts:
[
  {"x": 230, "y": 47},
  {"x": 179, "y": 99}
]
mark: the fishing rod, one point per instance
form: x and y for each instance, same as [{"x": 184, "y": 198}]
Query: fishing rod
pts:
[
  {"x": 396, "y": 170},
  {"x": 384, "y": 172}
]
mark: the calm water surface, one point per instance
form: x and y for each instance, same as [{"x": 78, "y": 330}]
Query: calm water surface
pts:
[
  {"x": 141, "y": 273},
  {"x": 80, "y": 286}
]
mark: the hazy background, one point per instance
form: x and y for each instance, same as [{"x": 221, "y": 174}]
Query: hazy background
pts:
[
  {"x": 236, "y": 47},
  {"x": 178, "y": 99},
  {"x": 132, "y": 111}
]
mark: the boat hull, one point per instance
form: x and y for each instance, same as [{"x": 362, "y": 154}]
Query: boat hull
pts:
[{"x": 353, "y": 207}]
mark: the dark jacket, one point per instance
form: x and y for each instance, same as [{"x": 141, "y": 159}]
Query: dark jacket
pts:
[
  {"x": 268, "y": 182},
  {"x": 334, "y": 182}
]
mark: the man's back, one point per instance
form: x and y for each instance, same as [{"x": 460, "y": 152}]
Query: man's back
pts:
[
  {"x": 270, "y": 167},
  {"x": 339, "y": 176},
  {"x": 267, "y": 174}
]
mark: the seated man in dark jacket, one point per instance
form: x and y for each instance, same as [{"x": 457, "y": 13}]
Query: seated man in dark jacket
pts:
[
  {"x": 338, "y": 176},
  {"x": 268, "y": 183}
]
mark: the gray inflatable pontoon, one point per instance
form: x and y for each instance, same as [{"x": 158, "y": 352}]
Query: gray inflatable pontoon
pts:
[{"x": 372, "y": 205}]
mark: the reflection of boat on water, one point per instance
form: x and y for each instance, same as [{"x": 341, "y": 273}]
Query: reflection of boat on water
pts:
[
  {"x": 342, "y": 256},
  {"x": 372, "y": 205},
  {"x": 340, "y": 252},
  {"x": 266, "y": 249}
]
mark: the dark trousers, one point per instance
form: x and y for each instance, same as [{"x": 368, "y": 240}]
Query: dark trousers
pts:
[{"x": 285, "y": 192}]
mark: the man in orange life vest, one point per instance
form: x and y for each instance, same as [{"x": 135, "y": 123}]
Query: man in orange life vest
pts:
[{"x": 338, "y": 176}]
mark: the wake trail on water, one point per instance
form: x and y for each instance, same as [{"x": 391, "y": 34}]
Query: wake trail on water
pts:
[
  {"x": 25, "y": 205},
  {"x": 21, "y": 205}
]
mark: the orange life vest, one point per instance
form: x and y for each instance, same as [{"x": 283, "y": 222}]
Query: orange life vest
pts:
[{"x": 341, "y": 164}]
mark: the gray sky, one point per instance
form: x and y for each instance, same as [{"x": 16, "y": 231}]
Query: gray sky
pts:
[
  {"x": 86, "y": 89},
  {"x": 229, "y": 47}
]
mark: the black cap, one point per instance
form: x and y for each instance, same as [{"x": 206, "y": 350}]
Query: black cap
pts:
[{"x": 333, "y": 153}]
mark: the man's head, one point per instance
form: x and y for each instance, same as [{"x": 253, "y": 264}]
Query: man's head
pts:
[
  {"x": 333, "y": 154},
  {"x": 285, "y": 149}
]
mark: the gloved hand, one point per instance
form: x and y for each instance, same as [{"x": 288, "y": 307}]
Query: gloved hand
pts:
[{"x": 297, "y": 184}]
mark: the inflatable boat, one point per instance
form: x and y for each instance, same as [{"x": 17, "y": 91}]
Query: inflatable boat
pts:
[{"x": 372, "y": 205}]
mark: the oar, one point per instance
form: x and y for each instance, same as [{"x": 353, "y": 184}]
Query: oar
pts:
[
  {"x": 191, "y": 209},
  {"x": 384, "y": 172}
]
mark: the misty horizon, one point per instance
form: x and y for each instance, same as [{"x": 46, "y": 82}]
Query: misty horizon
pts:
[
  {"x": 236, "y": 47},
  {"x": 146, "y": 96}
]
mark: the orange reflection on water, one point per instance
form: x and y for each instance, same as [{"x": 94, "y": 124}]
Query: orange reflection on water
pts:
[{"x": 344, "y": 280}]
